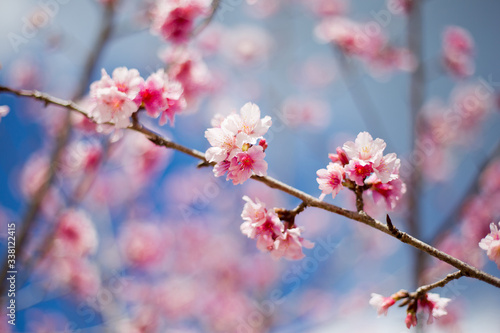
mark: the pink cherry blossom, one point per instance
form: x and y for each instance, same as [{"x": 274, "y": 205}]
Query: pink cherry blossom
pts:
[
  {"x": 458, "y": 39},
  {"x": 246, "y": 163},
  {"x": 152, "y": 94},
  {"x": 365, "y": 148},
  {"x": 359, "y": 170},
  {"x": 325, "y": 8},
  {"x": 81, "y": 156},
  {"x": 458, "y": 48},
  {"x": 411, "y": 320},
  {"x": 225, "y": 142},
  {"x": 221, "y": 168},
  {"x": 113, "y": 106},
  {"x": 254, "y": 212},
  {"x": 174, "y": 19},
  {"x": 388, "y": 168},
  {"x": 491, "y": 244},
  {"x": 4, "y": 110},
  {"x": 400, "y": 7},
  {"x": 330, "y": 179},
  {"x": 381, "y": 304},
  {"x": 261, "y": 224},
  {"x": 346, "y": 34},
  {"x": 434, "y": 305},
  {"x": 127, "y": 81},
  {"x": 247, "y": 45},
  {"x": 75, "y": 273},
  {"x": 235, "y": 147},
  {"x": 340, "y": 157},
  {"x": 75, "y": 234},
  {"x": 389, "y": 194},
  {"x": 143, "y": 244},
  {"x": 160, "y": 95},
  {"x": 290, "y": 245},
  {"x": 389, "y": 58},
  {"x": 185, "y": 65}
]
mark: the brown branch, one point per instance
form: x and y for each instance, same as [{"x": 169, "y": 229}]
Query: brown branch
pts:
[
  {"x": 441, "y": 283},
  {"x": 359, "y": 199},
  {"x": 311, "y": 201}
]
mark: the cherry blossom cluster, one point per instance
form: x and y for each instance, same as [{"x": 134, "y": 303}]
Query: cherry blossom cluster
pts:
[
  {"x": 491, "y": 244},
  {"x": 114, "y": 99},
  {"x": 477, "y": 212},
  {"x": 174, "y": 19},
  {"x": 359, "y": 40},
  {"x": 429, "y": 303},
  {"x": 458, "y": 49},
  {"x": 238, "y": 146},
  {"x": 67, "y": 260},
  {"x": 362, "y": 163},
  {"x": 272, "y": 235},
  {"x": 451, "y": 124}
]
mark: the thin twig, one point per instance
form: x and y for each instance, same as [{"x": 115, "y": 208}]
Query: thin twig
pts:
[
  {"x": 311, "y": 201},
  {"x": 441, "y": 283},
  {"x": 359, "y": 198}
]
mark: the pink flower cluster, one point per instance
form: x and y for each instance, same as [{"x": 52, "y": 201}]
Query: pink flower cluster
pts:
[
  {"x": 364, "y": 164},
  {"x": 381, "y": 303},
  {"x": 491, "y": 244},
  {"x": 430, "y": 303},
  {"x": 174, "y": 19},
  {"x": 453, "y": 124},
  {"x": 67, "y": 261},
  {"x": 116, "y": 98},
  {"x": 238, "y": 145},
  {"x": 186, "y": 66},
  {"x": 458, "y": 49},
  {"x": 369, "y": 45},
  {"x": 271, "y": 233}
]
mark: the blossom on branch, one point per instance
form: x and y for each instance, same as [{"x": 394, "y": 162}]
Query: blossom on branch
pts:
[
  {"x": 271, "y": 233},
  {"x": 434, "y": 305},
  {"x": 330, "y": 179},
  {"x": 381, "y": 303},
  {"x": 290, "y": 245},
  {"x": 458, "y": 48},
  {"x": 4, "y": 110},
  {"x": 161, "y": 96},
  {"x": 491, "y": 244},
  {"x": 364, "y": 164},
  {"x": 174, "y": 19},
  {"x": 235, "y": 144},
  {"x": 429, "y": 303}
]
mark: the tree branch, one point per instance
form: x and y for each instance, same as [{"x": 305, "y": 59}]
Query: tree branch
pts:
[
  {"x": 307, "y": 199},
  {"x": 441, "y": 283}
]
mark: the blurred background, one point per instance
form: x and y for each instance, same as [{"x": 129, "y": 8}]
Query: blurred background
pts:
[{"x": 162, "y": 249}]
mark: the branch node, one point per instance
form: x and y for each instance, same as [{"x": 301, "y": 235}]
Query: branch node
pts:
[{"x": 203, "y": 164}]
